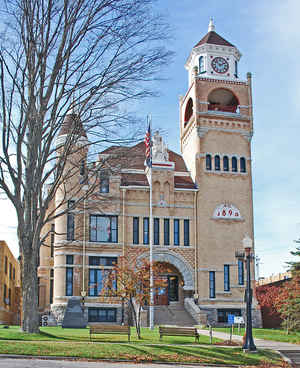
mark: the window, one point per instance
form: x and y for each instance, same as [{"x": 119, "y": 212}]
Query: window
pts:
[
  {"x": 166, "y": 232},
  {"x": 146, "y": 230},
  {"x": 186, "y": 228},
  {"x": 208, "y": 162},
  {"x": 14, "y": 273},
  {"x": 201, "y": 64},
  {"x": 5, "y": 265},
  {"x": 176, "y": 232},
  {"x": 225, "y": 163},
  {"x": 234, "y": 164},
  {"x": 69, "y": 281},
  {"x": 156, "y": 231},
  {"x": 241, "y": 271},
  {"x": 70, "y": 221},
  {"x": 212, "y": 284},
  {"x": 102, "y": 261},
  {"x": 52, "y": 240},
  {"x": 69, "y": 259},
  {"x": 4, "y": 294},
  {"x": 104, "y": 185},
  {"x": 217, "y": 163},
  {"x": 9, "y": 297},
  {"x": 188, "y": 111},
  {"x": 223, "y": 314},
  {"x": 243, "y": 164},
  {"x": 135, "y": 231},
  {"x": 236, "y": 69},
  {"x": 10, "y": 271},
  {"x": 226, "y": 278},
  {"x": 103, "y": 228},
  {"x": 97, "y": 278},
  {"x": 102, "y": 315}
]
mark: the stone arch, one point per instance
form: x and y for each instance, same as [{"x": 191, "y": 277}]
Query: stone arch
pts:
[{"x": 179, "y": 262}]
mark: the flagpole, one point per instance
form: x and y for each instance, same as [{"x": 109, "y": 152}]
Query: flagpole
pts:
[{"x": 151, "y": 310}]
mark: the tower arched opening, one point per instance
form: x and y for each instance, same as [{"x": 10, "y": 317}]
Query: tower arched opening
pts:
[
  {"x": 188, "y": 111},
  {"x": 222, "y": 99}
]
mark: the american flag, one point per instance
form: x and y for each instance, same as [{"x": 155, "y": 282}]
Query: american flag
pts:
[{"x": 148, "y": 146}]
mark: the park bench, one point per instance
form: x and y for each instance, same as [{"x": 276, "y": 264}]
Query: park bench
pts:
[
  {"x": 109, "y": 329},
  {"x": 178, "y": 331}
]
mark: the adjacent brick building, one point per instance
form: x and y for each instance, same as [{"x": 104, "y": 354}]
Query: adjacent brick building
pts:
[
  {"x": 9, "y": 286},
  {"x": 202, "y": 203}
]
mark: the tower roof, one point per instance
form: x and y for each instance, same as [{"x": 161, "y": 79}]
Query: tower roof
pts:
[
  {"x": 72, "y": 124},
  {"x": 213, "y": 38}
]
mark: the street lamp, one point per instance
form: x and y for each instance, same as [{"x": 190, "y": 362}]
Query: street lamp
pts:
[{"x": 249, "y": 343}]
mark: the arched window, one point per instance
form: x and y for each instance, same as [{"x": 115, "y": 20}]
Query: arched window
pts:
[
  {"x": 225, "y": 163},
  {"x": 201, "y": 64},
  {"x": 243, "y": 164},
  {"x": 234, "y": 164},
  {"x": 188, "y": 111},
  {"x": 208, "y": 162},
  {"x": 236, "y": 69},
  {"x": 217, "y": 163}
]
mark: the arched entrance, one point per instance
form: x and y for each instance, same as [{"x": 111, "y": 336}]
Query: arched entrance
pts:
[{"x": 176, "y": 273}]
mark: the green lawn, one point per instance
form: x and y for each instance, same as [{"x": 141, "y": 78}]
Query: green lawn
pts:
[
  {"x": 56, "y": 341},
  {"x": 267, "y": 334}
]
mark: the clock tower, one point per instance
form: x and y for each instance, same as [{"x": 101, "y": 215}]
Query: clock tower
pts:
[{"x": 216, "y": 127}]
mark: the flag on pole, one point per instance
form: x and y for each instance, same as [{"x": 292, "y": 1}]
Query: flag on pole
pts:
[{"x": 148, "y": 144}]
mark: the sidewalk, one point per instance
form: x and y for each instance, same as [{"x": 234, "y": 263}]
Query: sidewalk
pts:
[{"x": 260, "y": 343}]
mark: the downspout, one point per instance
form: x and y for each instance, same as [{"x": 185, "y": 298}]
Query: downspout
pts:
[{"x": 123, "y": 210}]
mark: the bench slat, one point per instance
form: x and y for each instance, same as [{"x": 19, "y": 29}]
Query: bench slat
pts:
[
  {"x": 178, "y": 331},
  {"x": 109, "y": 329}
]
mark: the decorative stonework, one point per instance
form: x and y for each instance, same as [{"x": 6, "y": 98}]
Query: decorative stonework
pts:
[
  {"x": 227, "y": 212},
  {"x": 176, "y": 260}
]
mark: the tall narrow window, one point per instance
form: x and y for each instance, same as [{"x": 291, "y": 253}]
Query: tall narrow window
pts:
[
  {"x": 201, "y": 64},
  {"x": 236, "y": 69},
  {"x": 69, "y": 275},
  {"x": 186, "y": 233},
  {"x": 225, "y": 163},
  {"x": 241, "y": 271},
  {"x": 226, "y": 278},
  {"x": 10, "y": 271},
  {"x": 156, "y": 231},
  {"x": 243, "y": 164},
  {"x": 5, "y": 264},
  {"x": 135, "y": 230},
  {"x": 217, "y": 163},
  {"x": 212, "y": 284},
  {"x": 14, "y": 273},
  {"x": 51, "y": 286},
  {"x": 104, "y": 185},
  {"x": 70, "y": 221},
  {"x": 208, "y": 162},
  {"x": 4, "y": 294},
  {"x": 52, "y": 240},
  {"x": 103, "y": 229},
  {"x": 146, "y": 230},
  {"x": 9, "y": 296},
  {"x": 234, "y": 164},
  {"x": 166, "y": 232},
  {"x": 176, "y": 232}
]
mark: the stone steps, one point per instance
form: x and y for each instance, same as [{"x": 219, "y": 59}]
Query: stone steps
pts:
[{"x": 172, "y": 315}]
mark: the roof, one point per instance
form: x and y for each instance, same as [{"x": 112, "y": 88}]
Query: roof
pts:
[
  {"x": 215, "y": 39},
  {"x": 72, "y": 124},
  {"x": 134, "y": 158}
]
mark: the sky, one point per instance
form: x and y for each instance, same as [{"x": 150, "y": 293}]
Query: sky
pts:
[{"x": 267, "y": 34}]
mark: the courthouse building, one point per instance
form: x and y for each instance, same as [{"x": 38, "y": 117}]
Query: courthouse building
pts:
[{"x": 202, "y": 205}]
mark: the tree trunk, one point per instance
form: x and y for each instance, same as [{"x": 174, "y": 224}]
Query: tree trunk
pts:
[
  {"x": 137, "y": 328},
  {"x": 30, "y": 315}
]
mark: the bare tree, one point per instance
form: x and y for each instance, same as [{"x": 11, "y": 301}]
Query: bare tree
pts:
[{"x": 95, "y": 55}]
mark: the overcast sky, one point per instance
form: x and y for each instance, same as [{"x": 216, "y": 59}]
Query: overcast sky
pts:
[{"x": 267, "y": 34}]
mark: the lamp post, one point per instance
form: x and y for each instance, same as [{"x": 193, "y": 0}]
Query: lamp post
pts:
[{"x": 249, "y": 343}]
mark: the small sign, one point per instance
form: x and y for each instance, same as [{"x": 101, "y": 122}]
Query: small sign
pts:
[
  {"x": 238, "y": 320},
  {"x": 230, "y": 319}
]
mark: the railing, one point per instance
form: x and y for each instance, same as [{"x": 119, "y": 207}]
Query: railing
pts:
[{"x": 217, "y": 107}]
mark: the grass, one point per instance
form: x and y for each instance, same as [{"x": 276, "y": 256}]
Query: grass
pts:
[
  {"x": 56, "y": 341},
  {"x": 266, "y": 334}
]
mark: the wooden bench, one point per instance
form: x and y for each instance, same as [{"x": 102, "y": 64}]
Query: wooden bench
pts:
[
  {"x": 109, "y": 329},
  {"x": 178, "y": 331}
]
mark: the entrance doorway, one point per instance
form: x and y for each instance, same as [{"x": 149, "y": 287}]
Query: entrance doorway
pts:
[{"x": 165, "y": 295}]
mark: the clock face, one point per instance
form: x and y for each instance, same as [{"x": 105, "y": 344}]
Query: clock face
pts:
[{"x": 219, "y": 65}]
